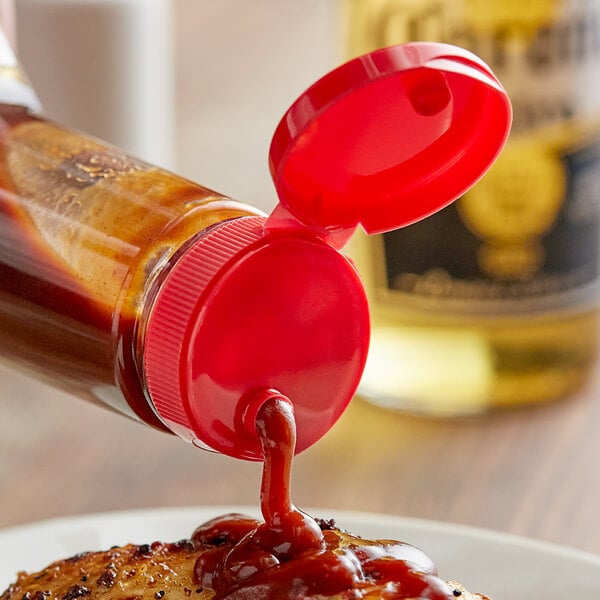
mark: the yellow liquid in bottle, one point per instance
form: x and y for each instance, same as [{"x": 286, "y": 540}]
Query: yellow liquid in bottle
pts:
[{"x": 443, "y": 364}]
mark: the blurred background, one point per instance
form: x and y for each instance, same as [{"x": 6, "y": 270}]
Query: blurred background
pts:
[
  {"x": 195, "y": 86},
  {"x": 198, "y": 87}
]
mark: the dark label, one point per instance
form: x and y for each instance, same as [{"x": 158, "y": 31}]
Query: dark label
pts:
[
  {"x": 525, "y": 238},
  {"x": 524, "y": 235}
]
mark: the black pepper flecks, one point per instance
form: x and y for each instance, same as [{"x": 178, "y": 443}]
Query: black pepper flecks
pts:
[
  {"x": 76, "y": 591},
  {"x": 76, "y": 557},
  {"x": 326, "y": 524},
  {"x": 108, "y": 576},
  {"x": 143, "y": 550},
  {"x": 184, "y": 545}
]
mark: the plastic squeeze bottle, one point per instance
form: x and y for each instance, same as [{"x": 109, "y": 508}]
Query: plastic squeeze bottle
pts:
[{"x": 134, "y": 288}]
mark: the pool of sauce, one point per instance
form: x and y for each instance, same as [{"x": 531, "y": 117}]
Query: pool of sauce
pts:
[{"x": 290, "y": 554}]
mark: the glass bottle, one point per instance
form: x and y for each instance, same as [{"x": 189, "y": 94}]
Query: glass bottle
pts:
[
  {"x": 493, "y": 301},
  {"x": 152, "y": 295}
]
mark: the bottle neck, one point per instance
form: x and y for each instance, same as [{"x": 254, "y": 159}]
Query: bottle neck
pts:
[{"x": 15, "y": 88}]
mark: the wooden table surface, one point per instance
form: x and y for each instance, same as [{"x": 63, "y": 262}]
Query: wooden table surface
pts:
[{"x": 533, "y": 472}]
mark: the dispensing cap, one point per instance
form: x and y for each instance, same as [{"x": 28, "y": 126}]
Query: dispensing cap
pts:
[
  {"x": 388, "y": 138},
  {"x": 255, "y": 306},
  {"x": 244, "y": 311}
]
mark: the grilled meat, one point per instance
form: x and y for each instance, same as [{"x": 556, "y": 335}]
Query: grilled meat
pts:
[{"x": 178, "y": 571}]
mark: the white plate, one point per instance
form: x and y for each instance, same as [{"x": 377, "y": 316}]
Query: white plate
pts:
[{"x": 503, "y": 566}]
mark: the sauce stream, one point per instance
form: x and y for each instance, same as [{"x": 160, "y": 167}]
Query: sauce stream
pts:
[{"x": 290, "y": 554}]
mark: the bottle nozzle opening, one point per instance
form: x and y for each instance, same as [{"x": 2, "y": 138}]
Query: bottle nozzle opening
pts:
[{"x": 252, "y": 404}]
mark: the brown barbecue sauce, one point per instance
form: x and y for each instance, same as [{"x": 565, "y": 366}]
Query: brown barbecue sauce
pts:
[
  {"x": 84, "y": 231},
  {"x": 290, "y": 555}
]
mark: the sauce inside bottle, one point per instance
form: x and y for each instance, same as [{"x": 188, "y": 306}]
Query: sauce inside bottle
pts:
[
  {"x": 114, "y": 273},
  {"x": 83, "y": 229},
  {"x": 294, "y": 556}
]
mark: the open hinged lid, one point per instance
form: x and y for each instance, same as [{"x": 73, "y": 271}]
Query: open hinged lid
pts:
[{"x": 387, "y": 139}]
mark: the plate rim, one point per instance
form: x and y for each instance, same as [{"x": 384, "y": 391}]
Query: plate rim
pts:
[{"x": 341, "y": 515}]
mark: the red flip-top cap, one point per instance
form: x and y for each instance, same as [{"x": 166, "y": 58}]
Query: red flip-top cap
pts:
[
  {"x": 255, "y": 305},
  {"x": 388, "y": 138},
  {"x": 243, "y": 311}
]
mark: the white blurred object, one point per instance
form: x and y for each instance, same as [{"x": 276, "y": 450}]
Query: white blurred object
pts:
[{"x": 104, "y": 67}]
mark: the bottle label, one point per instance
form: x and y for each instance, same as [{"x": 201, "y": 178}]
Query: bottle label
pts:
[{"x": 525, "y": 238}]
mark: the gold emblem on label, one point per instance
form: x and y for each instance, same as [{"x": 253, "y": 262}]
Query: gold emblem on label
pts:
[{"x": 512, "y": 207}]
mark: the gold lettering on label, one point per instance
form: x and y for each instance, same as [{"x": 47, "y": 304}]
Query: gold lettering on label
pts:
[{"x": 438, "y": 283}]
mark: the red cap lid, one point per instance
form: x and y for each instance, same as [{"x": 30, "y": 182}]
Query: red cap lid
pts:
[
  {"x": 388, "y": 138},
  {"x": 243, "y": 311},
  {"x": 255, "y": 305}
]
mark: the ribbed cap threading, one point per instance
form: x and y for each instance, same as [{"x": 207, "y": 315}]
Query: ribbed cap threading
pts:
[{"x": 176, "y": 306}]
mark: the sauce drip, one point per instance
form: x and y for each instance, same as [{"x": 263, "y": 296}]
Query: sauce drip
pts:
[{"x": 290, "y": 555}]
